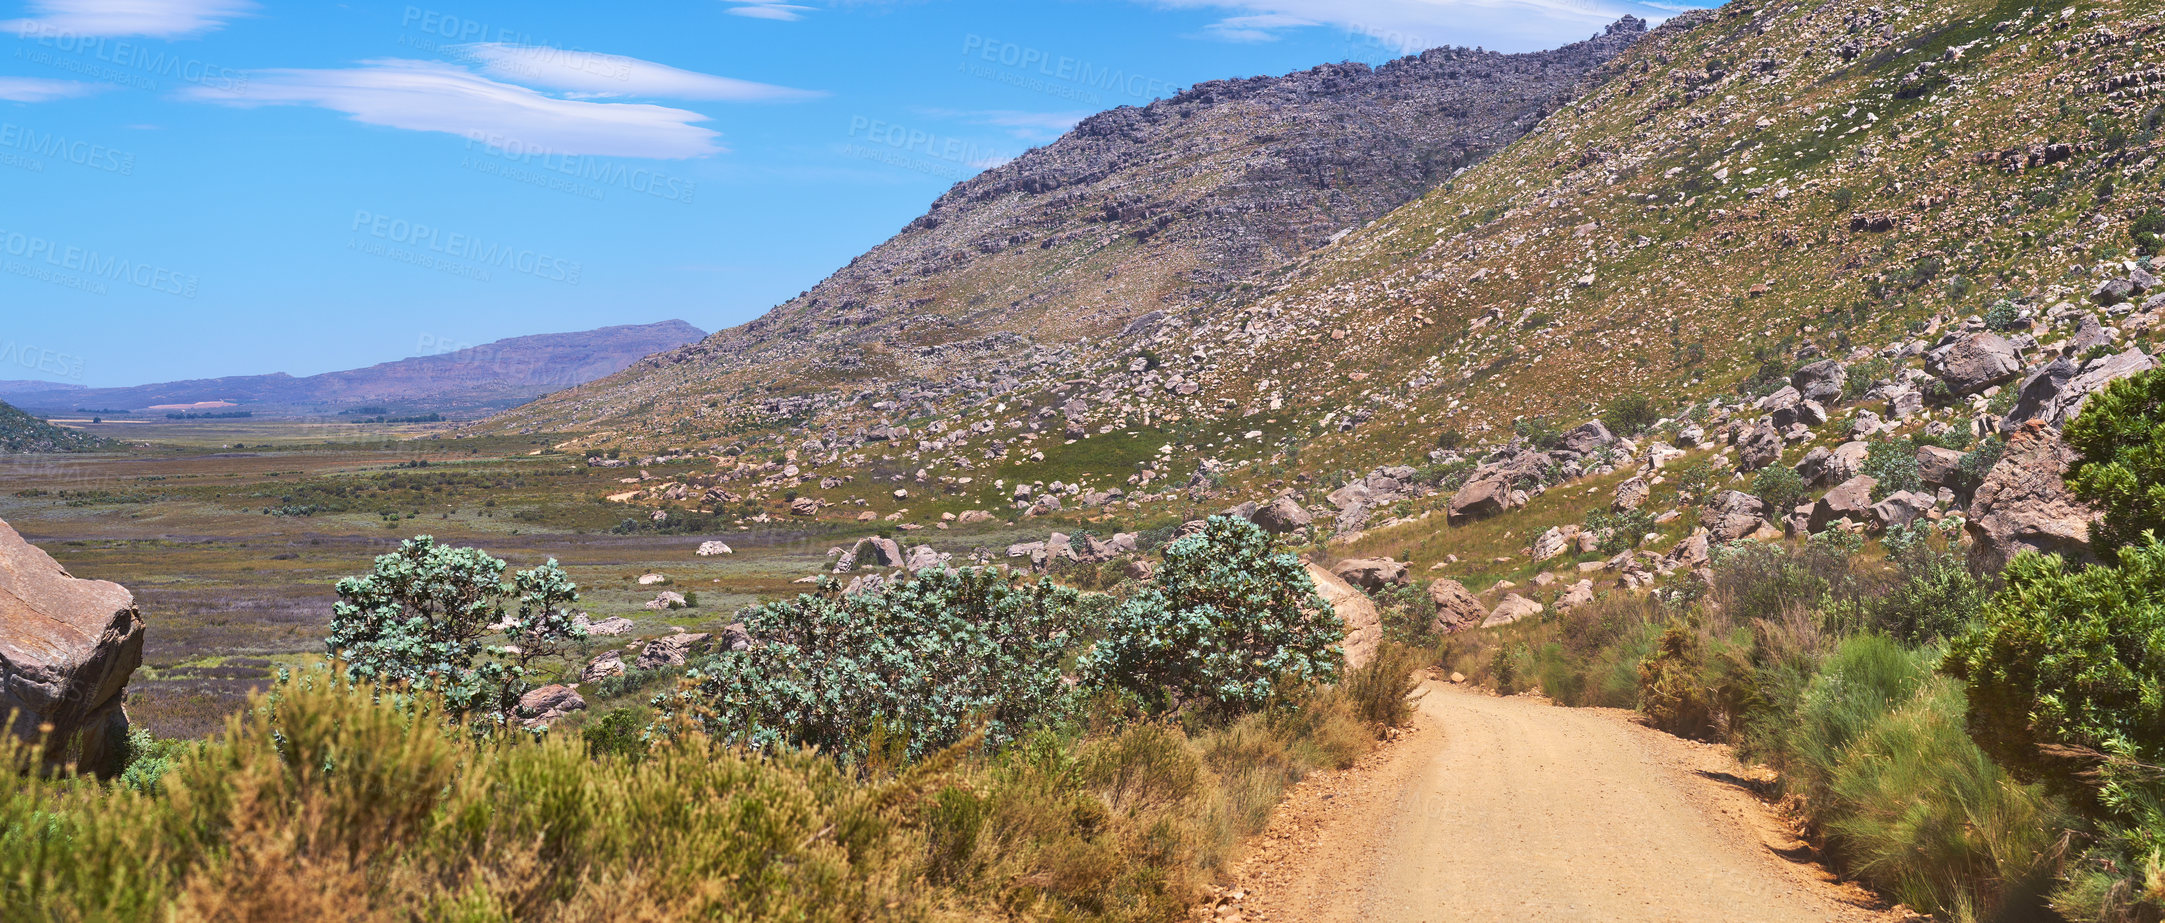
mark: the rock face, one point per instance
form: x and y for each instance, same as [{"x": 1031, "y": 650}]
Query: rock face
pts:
[
  {"x": 1364, "y": 625},
  {"x": 1456, "y": 609},
  {"x": 1973, "y": 363},
  {"x": 1371, "y": 573},
  {"x": 1733, "y": 514},
  {"x": 67, "y": 647},
  {"x": 2024, "y": 505},
  {"x": 1631, "y": 494},
  {"x": 1282, "y": 516},
  {"x": 2054, "y": 394}
]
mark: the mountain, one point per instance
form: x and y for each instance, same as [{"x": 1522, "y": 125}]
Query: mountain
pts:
[
  {"x": 467, "y": 382},
  {"x": 21, "y": 433},
  {"x": 1738, "y": 193},
  {"x": 1134, "y": 211}
]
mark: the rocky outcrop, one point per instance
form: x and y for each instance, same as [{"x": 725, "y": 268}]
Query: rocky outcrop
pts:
[
  {"x": 2024, "y": 504},
  {"x": 1972, "y": 363},
  {"x": 1850, "y": 500},
  {"x": 1283, "y": 516},
  {"x": 67, "y": 648},
  {"x": 1513, "y": 608},
  {"x": 1820, "y": 381},
  {"x": 670, "y": 650},
  {"x": 1364, "y": 624},
  {"x": 1371, "y": 573},
  {"x": 539, "y": 707},
  {"x": 1733, "y": 514},
  {"x": 2054, "y": 394},
  {"x": 1456, "y": 609},
  {"x": 1479, "y": 499}
]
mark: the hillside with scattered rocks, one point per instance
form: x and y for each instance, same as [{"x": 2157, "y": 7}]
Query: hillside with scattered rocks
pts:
[{"x": 21, "y": 433}]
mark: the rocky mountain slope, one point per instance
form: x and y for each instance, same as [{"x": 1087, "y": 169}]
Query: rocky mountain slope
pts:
[
  {"x": 468, "y": 381},
  {"x": 1135, "y": 212},
  {"x": 21, "y": 433}
]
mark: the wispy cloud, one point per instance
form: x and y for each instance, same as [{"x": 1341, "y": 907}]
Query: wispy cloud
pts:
[
  {"x": 591, "y": 75},
  {"x": 1019, "y": 123},
  {"x": 428, "y": 96},
  {"x": 1413, "y": 25},
  {"x": 769, "y": 9},
  {"x": 113, "y": 18},
  {"x": 39, "y": 89}
]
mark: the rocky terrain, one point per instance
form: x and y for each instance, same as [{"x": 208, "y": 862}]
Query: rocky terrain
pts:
[
  {"x": 22, "y": 434},
  {"x": 463, "y": 382}
]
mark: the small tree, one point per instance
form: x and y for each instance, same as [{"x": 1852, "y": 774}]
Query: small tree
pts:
[
  {"x": 1630, "y": 415},
  {"x": 1892, "y": 465},
  {"x": 1233, "y": 624},
  {"x": 2120, "y": 436},
  {"x": 1780, "y": 488},
  {"x": 418, "y": 618}
]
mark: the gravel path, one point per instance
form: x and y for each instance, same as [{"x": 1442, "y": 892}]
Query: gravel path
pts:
[{"x": 1511, "y": 809}]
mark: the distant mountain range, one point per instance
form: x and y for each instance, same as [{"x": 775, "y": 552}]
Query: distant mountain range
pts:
[{"x": 467, "y": 383}]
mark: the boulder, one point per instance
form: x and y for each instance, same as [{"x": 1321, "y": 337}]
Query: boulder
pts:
[
  {"x": 1901, "y": 508},
  {"x": 1758, "y": 449},
  {"x": 1851, "y": 499},
  {"x": 540, "y": 706},
  {"x": 1589, "y": 438},
  {"x": 922, "y": 557},
  {"x": 1513, "y": 608},
  {"x": 1479, "y": 499},
  {"x": 603, "y": 667},
  {"x": 2024, "y": 504},
  {"x": 1555, "y": 541},
  {"x": 2055, "y": 393},
  {"x": 1693, "y": 552},
  {"x": 1821, "y": 381},
  {"x": 878, "y": 552},
  {"x": 1371, "y": 573},
  {"x": 1975, "y": 362},
  {"x": 804, "y": 506},
  {"x": 608, "y": 627},
  {"x": 67, "y": 648},
  {"x": 710, "y": 549},
  {"x": 1578, "y": 595},
  {"x": 1733, "y": 514},
  {"x": 667, "y": 600},
  {"x": 670, "y": 650},
  {"x": 1283, "y": 515},
  {"x": 1939, "y": 467},
  {"x": 1631, "y": 495},
  {"x": 1364, "y": 624},
  {"x": 973, "y": 517},
  {"x": 1456, "y": 609}
]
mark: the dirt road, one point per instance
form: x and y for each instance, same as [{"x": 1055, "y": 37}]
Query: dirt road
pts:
[{"x": 1511, "y": 809}]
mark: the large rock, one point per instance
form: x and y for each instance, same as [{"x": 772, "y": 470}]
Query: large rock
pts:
[
  {"x": 1555, "y": 541},
  {"x": 878, "y": 552},
  {"x": 1901, "y": 508},
  {"x": 2055, "y": 393},
  {"x": 1456, "y": 609},
  {"x": 1760, "y": 448},
  {"x": 1371, "y": 573},
  {"x": 67, "y": 647},
  {"x": 1589, "y": 438},
  {"x": 1479, "y": 499},
  {"x": 1513, "y": 608},
  {"x": 710, "y": 549},
  {"x": 1282, "y": 516},
  {"x": 2024, "y": 504},
  {"x": 1821, "y": 381},
  {"x": 1821, "y": 467},
  {"x": 1939, "y": 467},
  {"x": 670, "y": 650},
  {"x": 1851, "y": 499},
  {"x": 1578, "y": 595},
  {"x": 1364, "y": 625},
  {"x": 1733, "y": 514},
  {"x": 1975, "y": 362},
  {"x": 540, "y": 706},
  {"x": 1631, "y": 494}
]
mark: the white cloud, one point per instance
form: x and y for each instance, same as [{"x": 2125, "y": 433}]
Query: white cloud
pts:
[
  {"x": 427, "y": 96},
  {"x": 1407, "y": 26},
  {"x": 770, "y": 9},
  {"x": 112, "y": 18},
  {"x": 591, "y": 75},
  {"x": 39, "y": 89},
  {"x": 1019, "y": 123}
]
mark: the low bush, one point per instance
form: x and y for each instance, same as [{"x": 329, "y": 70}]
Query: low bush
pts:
[
  {"x": 1892, "y": 465},
  {"x": 1630, "y": 415},
  {"x": 1381, "y": 689},
  {"x": 2120, "y": 437},
  {"x": 1780, "y": 487}
]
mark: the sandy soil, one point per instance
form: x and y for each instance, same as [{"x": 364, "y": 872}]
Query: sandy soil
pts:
[{"x": 1511, "y": 809}]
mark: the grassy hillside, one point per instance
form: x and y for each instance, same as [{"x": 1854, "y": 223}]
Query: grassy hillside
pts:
[{"x": 21, "y": 433}]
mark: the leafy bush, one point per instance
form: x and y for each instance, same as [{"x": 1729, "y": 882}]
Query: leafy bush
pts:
[
  {"x": 1541, "y": 432},
  {"x": 2120, "y": 436},
  {"x": 418, "y": 618},
  {"x": 1780, "y": 487},
  {"x": 1935, "y": 599},
  {"x": 919, "y": 667},
  {"x": 1232, "y": 625},
  {"x": 1892, "y": 463},
  {"x": 621, "y": 733},
  {"x": 1380, "y": 689},
  {"x": 1864, "y": 376},
  {"x": 1630, "y": 415},
  {"x": 2148, "y": 230},
  {"x": 1620, "y": 532},
  {"x": 2005, "y": 315},
  {"x": 1696, "y": 479},
  {"x": 1976, "y": 463}
]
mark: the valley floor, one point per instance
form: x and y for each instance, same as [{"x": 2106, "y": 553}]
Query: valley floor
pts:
[{"x": 1510, "y": 809}]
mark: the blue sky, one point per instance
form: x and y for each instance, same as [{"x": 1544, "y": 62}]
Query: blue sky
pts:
[{"x": 194, "y": 188}]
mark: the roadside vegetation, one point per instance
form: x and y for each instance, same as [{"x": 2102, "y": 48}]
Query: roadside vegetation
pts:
[
  {"x": 912, "y": 756},
  {"x": 1974, "y": 746}
]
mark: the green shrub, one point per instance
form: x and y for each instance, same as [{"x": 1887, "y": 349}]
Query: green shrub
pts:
[
  {"x": 1620, "y": 532},
  {"x": 2148, "y": 230},
  {"x": 918, "y": 666},
  {"x": 2120, "y": 436},
  {"x": 1864, "y": 376},
  {"x": 1780, "y": 487},
  {"x": 1631, "y": 414},
  {"x": 621, "y": 733},
  {"x": 418, "y": 618},
  {"x": 1541, "y": 432},
  {"x": 1935, "y": 598},
  {"x": 2005, "y": 315},
  {"x": 1232, "y": 625},
  {"x": 1892, "y": 463},
  {"x": 1380, "y": 689}
]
